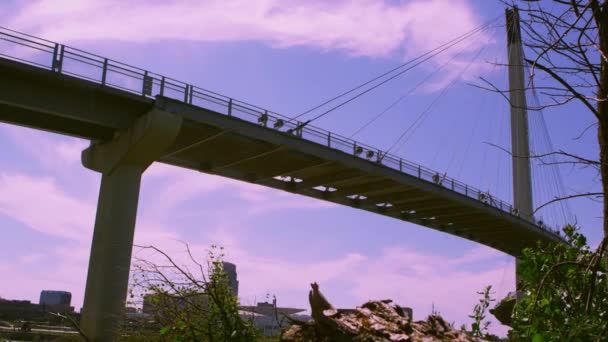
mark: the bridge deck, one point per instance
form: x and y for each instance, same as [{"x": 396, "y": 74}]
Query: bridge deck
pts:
[{"x": 233, "y": 139}]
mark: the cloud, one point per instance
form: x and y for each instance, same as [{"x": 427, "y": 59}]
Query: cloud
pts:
[
  {"x": 374, "y": 28},
  {"x": 41, "y": 204},
  {"x": 31, "y": 258},
  {"x": 52, "y": 151}
]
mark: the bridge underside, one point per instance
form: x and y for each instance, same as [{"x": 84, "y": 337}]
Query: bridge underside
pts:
[{"x": 227, "y": 146}]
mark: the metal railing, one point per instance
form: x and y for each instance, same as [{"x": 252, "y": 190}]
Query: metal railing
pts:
[{"x": 67, "y": 60}]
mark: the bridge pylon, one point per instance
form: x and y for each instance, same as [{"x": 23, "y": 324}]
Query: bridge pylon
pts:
[{"x": 520, "y": 145}]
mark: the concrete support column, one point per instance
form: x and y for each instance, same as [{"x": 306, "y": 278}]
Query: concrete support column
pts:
[{"x": 122, "y": 162}]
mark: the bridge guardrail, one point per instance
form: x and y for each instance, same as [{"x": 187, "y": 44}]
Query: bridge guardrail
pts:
[{"x": 107, "y": 72}]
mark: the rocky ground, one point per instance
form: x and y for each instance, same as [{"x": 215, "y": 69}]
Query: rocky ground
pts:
[{"x": 374, "y": 321}]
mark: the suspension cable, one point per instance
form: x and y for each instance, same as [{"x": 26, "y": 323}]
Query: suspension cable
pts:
[
  {"x": 424, "y": 113},
  {"x": 411, "y": 91},
  {"x": 426, "y": 56}
]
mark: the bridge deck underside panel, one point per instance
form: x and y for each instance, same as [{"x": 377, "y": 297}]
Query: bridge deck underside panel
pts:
[
  {"x": 225, "y": 146},
  {"x": 218, "y": 144}
]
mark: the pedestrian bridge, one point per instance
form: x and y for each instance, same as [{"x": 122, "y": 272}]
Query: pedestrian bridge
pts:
[{"x": 57, "y": 88}]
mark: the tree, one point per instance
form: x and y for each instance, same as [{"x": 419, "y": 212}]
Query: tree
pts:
[
  {"x": 565, "y": 293},
  {"x": 190, "y": 306}
]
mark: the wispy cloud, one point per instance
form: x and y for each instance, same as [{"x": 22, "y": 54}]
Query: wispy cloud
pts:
[
  {"x": 41, "y": 204},
  {"x": 362, "y": 27},
  {"x": 52, "y": 151}
]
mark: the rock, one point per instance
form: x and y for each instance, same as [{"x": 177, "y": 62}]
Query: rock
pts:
[{"x": 374, "y": 321}]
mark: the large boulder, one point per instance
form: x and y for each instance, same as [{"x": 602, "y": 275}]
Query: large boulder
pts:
[{"x": 374, "y": 321}]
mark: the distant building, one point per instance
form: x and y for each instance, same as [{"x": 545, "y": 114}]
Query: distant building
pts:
[
  {"x": 19, "y": 309},
  {"x": 56, "y": 301},
  {"x": 25, "y": 310},
  {"x": 268, "y": 309},
  {"x": 48, "y": 297},
  {"x": 230, "y": 271},
  {"x": 264, "y": 316}
]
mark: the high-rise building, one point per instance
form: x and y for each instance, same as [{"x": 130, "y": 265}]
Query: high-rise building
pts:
[
  {"x": 233, "y": 282},
  {"x": 48, "y": 297}
]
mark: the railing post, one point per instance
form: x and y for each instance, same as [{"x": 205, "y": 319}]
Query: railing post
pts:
[
  {"x": 54, "y": 61},
  {"x": 190, "y": 94},
  {"x": 466, "y": 190},
  {"x": 452, "y": 184},
  {"x": 419, "y": 172},
  {"x": 230, "y": 107},
  {"x": 57, "y": 58},
  {"x": 147, "y": 84},
  {"x": 162, "y": 86},
  {"x": 400, "y": 165},
  {"x": 186, "y": 91},
  {"x": 60, "y": 60},
  {"x": 104, "y": 72},
  {"x": 328, "y": 139}
]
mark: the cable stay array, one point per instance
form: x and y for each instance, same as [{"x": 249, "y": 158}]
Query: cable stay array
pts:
[
  {"x": 493, "y": 163},
  {"x": 385, "y": 77},
  {"x": 547, "y": 179},
  {"x": 410, "y": 91}
]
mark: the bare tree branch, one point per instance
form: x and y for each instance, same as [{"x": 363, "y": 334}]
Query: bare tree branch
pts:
[
  {"x": 557, "y": 199},
  {"x": 566, "y": 85}
]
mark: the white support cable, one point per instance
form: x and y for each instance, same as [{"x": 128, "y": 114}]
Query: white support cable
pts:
[
  {"x": 453, "y": 42},
  {"x": 486, "y": 180},
  {"x": 412, "y": 90},
  {"x": 537, "y": 177},
  {"x": 420, "y": 119},
  {"x": 503, "y": 121},
  {"x": 443, "y": 48},
  {"x": 463, "y": 161},
  {"x": 469, "y": 141},
  {"x": 556, "y": 171},
  {"x": 555, "y": 178},
  {"x": 474, "y": 126}
]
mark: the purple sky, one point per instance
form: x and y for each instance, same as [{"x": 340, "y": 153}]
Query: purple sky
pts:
[{"x": 286, "y": 56}]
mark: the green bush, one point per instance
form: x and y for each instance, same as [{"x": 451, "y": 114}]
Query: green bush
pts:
[{"x": 565, "y": 294}]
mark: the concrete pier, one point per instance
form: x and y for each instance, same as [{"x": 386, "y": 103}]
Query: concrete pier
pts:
[{"x": 121, "y": 162}]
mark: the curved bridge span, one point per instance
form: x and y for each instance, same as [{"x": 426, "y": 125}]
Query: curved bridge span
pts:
[{"x": 56, "y": 88}]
